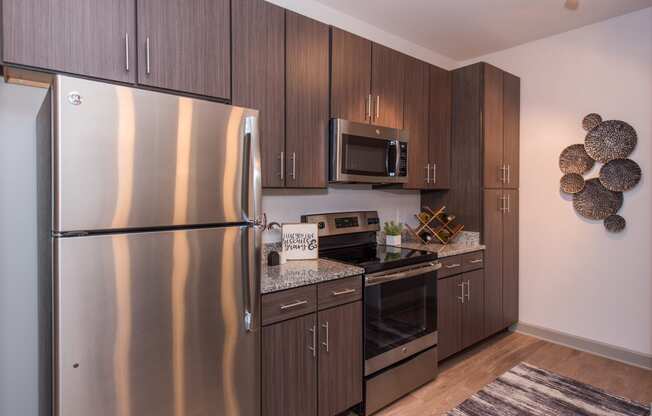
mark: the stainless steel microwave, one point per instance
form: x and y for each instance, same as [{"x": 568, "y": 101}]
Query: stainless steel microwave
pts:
[{"x": 363, "y": 153}]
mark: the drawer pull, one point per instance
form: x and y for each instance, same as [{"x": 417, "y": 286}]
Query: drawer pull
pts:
[
  {"x": 293, "y": 305},
  {"x": 453, "y": 266},
  {"x": 343, "y": 292},
  {"x": 476, "y": 261}
]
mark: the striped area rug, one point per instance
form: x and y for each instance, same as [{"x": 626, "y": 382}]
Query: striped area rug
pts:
[{"x": 528, "y": 390}]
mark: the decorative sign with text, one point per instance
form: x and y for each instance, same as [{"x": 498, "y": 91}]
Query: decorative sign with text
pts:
[{"x": 300, "y": 241}]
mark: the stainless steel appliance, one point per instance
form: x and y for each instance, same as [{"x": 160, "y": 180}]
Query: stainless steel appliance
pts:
[
  {"x": 150, "y": 239},
  {"x": 365, "y": 153},
  {"x": 400, "y": 299}
]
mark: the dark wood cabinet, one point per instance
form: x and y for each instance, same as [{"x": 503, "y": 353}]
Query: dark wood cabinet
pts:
[
  {"x": 473, "y": 308},
  {"x": 95, "y": 38},
  {"x": 440, "y": 127},
  {"x": 289, "y": 367},
  {"x": 387, "y": 86},
  {"x": 340, "y": 358},
  {"x": 492, "y": 125},
  {"x": 511, "y": 127},
  {"x": 416, "y": 119},
  {"x": 185, "y": 46},
  {"x": 306, "y": 94},
  {"x": 258, "y": 59},
  {"x": 449, "y": 316},
  {"x": 350, "y": 76},
  {"x": 510, "y": 258}
]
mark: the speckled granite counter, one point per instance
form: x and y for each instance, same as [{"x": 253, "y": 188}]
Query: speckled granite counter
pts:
[
  {"x": 448, "y": 250},
  {"x": 295, "y": 273}
]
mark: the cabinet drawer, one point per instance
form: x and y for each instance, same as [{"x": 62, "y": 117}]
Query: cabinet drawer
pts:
[
  {"x": 450, "y": 266},
  {"x": 339, "y": 292},
  {"x": 288, "y": 304},
  {"x": 473, "y": 261}
]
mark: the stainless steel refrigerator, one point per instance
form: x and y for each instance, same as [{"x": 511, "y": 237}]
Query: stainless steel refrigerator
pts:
[{"x": 150, "y": 253}]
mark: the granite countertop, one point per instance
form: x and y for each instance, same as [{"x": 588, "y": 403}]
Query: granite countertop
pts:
[
  {"x": 452, "y": 249},
  {"x": 295, "y": 273}
]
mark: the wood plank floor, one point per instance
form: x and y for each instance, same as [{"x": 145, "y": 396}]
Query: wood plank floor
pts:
[{"x": 464, "y": 374}]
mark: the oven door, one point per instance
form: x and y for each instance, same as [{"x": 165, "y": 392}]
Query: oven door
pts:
[
  {"x": 367, "y": 154},
  {"x": 400, "y": 314}
]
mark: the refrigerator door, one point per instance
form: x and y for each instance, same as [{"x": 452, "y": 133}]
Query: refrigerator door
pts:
[
  {"x": 127, "y": 158},
  {"x": 154, "y": 324}
]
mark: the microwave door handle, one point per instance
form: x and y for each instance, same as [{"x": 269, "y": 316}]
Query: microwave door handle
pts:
[
  {"x": 387, "y": 153},
  {"x": 397, "y": 169}
]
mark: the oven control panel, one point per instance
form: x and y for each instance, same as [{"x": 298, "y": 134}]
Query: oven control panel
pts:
[{"x": 344, "y": 222}]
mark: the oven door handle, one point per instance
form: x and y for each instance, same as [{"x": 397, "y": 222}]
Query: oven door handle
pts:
[{"x": 378, "y": 278}]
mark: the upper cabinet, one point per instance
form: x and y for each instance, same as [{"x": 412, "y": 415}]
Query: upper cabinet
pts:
[
  {"x": 367, "y": 81},
  {"x": 350, "y": 77},
  {"x": 259, "y": 78},
  {"x": 440, "y": 128},
  {"x": 87, "y": 37},
  {"x": 511, "y": 127},
  {"x": 185, "y": 46}
]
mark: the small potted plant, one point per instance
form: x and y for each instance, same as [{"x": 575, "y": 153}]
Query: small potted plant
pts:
[{"x": 393, "y": 233}]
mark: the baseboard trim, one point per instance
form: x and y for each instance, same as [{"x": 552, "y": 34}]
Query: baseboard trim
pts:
[{"x": 602, "y": 349}]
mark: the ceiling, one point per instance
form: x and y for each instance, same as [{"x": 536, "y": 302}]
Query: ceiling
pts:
[{"x": 466, "y": 29}]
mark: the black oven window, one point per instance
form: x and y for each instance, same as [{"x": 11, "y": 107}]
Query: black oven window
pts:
[
  {"x": 364, "y": 156},
  {"x": 398, "y": 312}
]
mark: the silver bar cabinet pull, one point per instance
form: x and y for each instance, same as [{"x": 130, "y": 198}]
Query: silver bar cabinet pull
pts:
[
  {"x": 508, "y": 204},
  {"x": 325, "y": 344},
  {"x": 367, "y": 108},
  {"x": 293, "y": 304},
  {"x": 453, "y": 266},
  {"x": 313, "y": 348},
  {"x": 468, "y": 290},
  {"x": 476, "y": 261},
  {"x": 462, "y": 297},
  {"x": 282, "y": 159},
  {"x": 434, "y": 173},
  {"x": 127, "y": 51},
  {"x": 147, "y": 60},
  {"x": 343, "y": 292},
  {"x": 503, "y": 177},
  {"x": 377, "y": 107},
  {"x": 509, "y": 174},
  {"x": 428, "y": 173},
  {"x": 502, "y": 204},
  {"x": 294, "y": 165}
]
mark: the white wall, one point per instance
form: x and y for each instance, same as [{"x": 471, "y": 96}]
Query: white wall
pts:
[
  {"x": 328, "y": 15},
  {"x": 574, "y": 276},
  {"x": 18, "y": 294}
]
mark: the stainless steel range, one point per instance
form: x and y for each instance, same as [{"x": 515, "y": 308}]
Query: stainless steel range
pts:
[{"x": 400, "y": 300}]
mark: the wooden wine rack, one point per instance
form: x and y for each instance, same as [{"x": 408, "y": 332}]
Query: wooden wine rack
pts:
[{"x": 436, "y": 224}]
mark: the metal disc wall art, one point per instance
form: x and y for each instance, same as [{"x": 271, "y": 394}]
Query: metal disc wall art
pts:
[
  {"x": 571, "y": 183},
  {"x": 615, "y": 223},
  {"x": 574, "y": 159},
  {"x": 620, "y": 175},
  {"x": 611, "y": 139},
  {"x": 609, "y": 142}
]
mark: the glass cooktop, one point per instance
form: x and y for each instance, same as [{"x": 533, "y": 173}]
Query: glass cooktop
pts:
[{"x": 373, "y": 257}]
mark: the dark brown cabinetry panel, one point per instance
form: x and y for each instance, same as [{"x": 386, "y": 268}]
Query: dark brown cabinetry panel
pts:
[
  {"x": 440, "y": 127},
  {"x": 340, "y": 358},
  {"x": 494, "y": 204},
  {"x": 416, "y": 117},
  {"x": 96, "y": 38},
  {"x": 511, "y": 126},
  {"x": 510, "y": 258},
  {"x": 259, "y": 77},
  {"x": 350, "y": 76},
  {"x": 473, "y": 308},
  {"x": 306, "y": 127},
  {"x": 449, "y": 316},
  {"x": 387, "y": 86},
  {"x": 189, "y": 46},
  {"x": 289, "y": 368},
  {"x": 493, "y": 127}
]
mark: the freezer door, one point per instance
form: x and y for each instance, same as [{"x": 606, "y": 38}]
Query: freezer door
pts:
[
  {"x": 154, "y": 324},
  {"x": 130, "y": 158}
]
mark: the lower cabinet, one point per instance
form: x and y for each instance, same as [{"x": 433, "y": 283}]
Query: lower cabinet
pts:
[
  {"x": 313, "y": 364},
  {"x": 460, "y": 311}
]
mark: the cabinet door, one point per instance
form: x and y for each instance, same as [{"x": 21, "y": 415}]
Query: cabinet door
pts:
[
  {"x": 416, "y": 122},
  {"x": 449, "y": 316},
  {"x": 259, "y": 77},
  {"x": 511, "y": 126},
  {"x": 306, "y": 143},
  {"x": 289, "y": 368},
  {"x": 185, "y": 46},
  {"x": 387, "y": 86},
  {"x": 473, "y": 309},
  {"x": 340, "y": 358},
  {"x": 492, "y": 118},
  {"x": 441, "y": 96},
  {"x": 494, "y": 205},
  {"x": 350, "y": 76},
  {"x": 510, "y": 259},
  {"x": 95, "y": 38}
]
